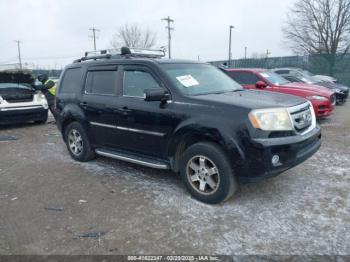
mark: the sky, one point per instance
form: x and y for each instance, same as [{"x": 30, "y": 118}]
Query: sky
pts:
[{"x": 55, "y": 32}]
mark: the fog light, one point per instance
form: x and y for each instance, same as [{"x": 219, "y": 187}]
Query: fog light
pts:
[{"x": 275, "y": 160}]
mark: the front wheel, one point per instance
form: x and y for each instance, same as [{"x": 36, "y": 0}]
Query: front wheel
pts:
[
  {"x": 78, "y": 143},
  {"x": 207, "y": 173}
]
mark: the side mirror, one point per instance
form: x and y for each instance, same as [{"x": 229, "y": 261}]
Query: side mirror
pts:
[
  {"x": 260, "y": 85},
  {"x": 156, "y": 95}
]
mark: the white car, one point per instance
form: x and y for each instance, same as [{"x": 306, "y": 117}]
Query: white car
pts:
[{"x": 19, "y": 101}]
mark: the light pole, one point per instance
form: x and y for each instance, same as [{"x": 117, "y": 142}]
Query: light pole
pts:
[
  {"x": 245, "y": 52},
  {"x": 229, "y": 47}
]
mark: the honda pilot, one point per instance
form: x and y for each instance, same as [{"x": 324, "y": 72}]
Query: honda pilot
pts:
[{"x": 184, "y": 116}]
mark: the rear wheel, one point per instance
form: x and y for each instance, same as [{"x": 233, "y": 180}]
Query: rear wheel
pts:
[
  {"x": 78, "y": 143},
  {"x": 207, "y": 173}
]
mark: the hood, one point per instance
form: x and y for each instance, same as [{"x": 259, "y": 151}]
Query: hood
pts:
[
  {"x": 324, "y": 78},
  {"x": 253, "y": 99},
  {"x": 17, "y": 76},
  {"x": 331, "y": 85},
  {"x": 316, "y": 89}
]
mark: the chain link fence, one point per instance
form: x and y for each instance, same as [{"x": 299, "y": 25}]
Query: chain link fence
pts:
[{"x": 316, "y": 64}]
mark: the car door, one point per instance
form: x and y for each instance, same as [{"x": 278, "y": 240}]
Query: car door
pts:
[
  {"x": 99, "y": 103},
  {"x": 144, "y": 125}
]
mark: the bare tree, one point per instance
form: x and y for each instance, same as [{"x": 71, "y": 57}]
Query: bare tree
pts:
[
  {"x": 319, "y": 27},
  {"x": 133, "y": 36}
]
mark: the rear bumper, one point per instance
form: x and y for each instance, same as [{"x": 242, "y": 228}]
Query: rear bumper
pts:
[
  {"x": 8, "y": 116},
  {"x": 291, "y": 151}
]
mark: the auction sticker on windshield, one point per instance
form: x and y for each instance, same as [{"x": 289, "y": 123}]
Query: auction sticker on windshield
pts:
[{"x": 187, "y": 80}]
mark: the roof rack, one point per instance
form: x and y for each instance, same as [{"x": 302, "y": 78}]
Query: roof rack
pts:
[{"x": 122, "y": 52}]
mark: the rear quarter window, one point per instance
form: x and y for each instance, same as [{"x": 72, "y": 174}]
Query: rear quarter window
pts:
[{"x": 72, "y": 81}]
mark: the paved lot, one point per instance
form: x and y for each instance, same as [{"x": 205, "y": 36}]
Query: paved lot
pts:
[{"x": 139, "y": 210}]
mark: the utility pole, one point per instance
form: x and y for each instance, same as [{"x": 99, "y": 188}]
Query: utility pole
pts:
[
  {"x": 94, "y": 30},
  {"x": 267, "y": 53},
  {"x": 19, "y": 53},
  {"x": 169, "y": 20},
  {"x": 245, "y": 52},
  {"x": 229, "y": 47}
]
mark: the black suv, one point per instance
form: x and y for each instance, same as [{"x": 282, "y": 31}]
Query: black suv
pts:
[{"x": 185, "y": 116}]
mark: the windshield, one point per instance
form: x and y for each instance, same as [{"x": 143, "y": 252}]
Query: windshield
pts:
[
  {"x": 274, "y": 78},
  {"x": 14, "y": 85},
  {"x": 307, "y": 79},
  {"x": 199, "y": 79}
]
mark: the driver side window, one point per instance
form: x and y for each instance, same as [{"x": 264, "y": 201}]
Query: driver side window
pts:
[{"x": 136, "y": 81}]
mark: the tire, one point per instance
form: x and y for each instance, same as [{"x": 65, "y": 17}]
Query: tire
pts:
[
  {"x": 212, "y": 158},
  {"x": 43, "y": 120},
  {"x": 78, "y": 143}
]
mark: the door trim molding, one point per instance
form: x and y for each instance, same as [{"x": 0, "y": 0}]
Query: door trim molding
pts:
[{"x": 140, "y": 131}]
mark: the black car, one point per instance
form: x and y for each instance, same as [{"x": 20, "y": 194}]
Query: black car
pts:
[
  {"x": 297, "y": 75},
  {"x": 185, "y": 116}
]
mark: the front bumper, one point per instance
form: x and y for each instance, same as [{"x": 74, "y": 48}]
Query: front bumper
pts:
[
  {"x": 341, "y": 97},
  {"x": 22, "y": 115},
  {"x": 322, "y": 108},
  {"x": 291, "y": 150}
]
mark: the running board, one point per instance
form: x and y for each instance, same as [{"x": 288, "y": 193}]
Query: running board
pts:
[{"x": 133, "y": 159}]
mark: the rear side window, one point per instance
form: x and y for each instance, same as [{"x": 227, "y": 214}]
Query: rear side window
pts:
[
  {"x": 136, "y": 81},
  {"x": 244, "y": 78},
  {"x": 101, "y": 82},
  {"x": 71, "y": 82}
]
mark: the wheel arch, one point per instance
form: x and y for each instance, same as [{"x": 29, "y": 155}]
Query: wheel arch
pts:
[
  {"x": 73, "y": 113},
  {"x": 189, "y": 135}
]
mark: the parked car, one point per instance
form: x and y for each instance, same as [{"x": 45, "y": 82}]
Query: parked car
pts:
[
  {"x": 298, "y": 75},
  {"x": 19, "y": 101},
  {"x": 320, "y": 78},
  {"x": 185, "y": 116},
  {"x": 322, "y": 99}
]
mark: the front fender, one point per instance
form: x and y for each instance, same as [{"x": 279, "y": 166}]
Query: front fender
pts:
[{"x": 222, "y": 136}]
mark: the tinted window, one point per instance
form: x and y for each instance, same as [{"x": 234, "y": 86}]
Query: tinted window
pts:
[
  {"x": 292, "y": 78},
  {"x": 244, "y": 78},
  {"x": 101, "y": 82},
  {"x": 71, "y": 82},
  {"x": 136, "y": 81},
  {"x": 281, "y": 72}
]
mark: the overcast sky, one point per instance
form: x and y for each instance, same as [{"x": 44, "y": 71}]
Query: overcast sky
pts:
[{"x": 54, "y": 32}]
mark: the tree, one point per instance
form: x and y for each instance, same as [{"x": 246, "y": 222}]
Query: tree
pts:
[
  {"x": 133, "y": 36},
  {"x": 319, "y": 27}
]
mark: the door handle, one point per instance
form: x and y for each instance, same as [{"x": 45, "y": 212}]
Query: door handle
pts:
[
  {"x": 123, "y": 110},
  {"x": 84, "y": 104}
]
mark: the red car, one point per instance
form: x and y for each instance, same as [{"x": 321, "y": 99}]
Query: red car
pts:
[{"x": 322, "y": 99}]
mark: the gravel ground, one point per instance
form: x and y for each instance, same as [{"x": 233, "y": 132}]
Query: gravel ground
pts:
[{"x": 140, "y": 210}]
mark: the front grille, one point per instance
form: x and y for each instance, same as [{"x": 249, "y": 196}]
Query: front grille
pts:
[
  {"x": 301, "y": 116},
  {"x": 19, "y": 98}
]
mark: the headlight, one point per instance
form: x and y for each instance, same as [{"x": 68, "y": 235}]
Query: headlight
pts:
[
  {"x": 321, "y": 98},
  {"x": 40, "y": 97},
  {"x": 338, "y": 90},
  {"x": 274, "y": 119}
]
